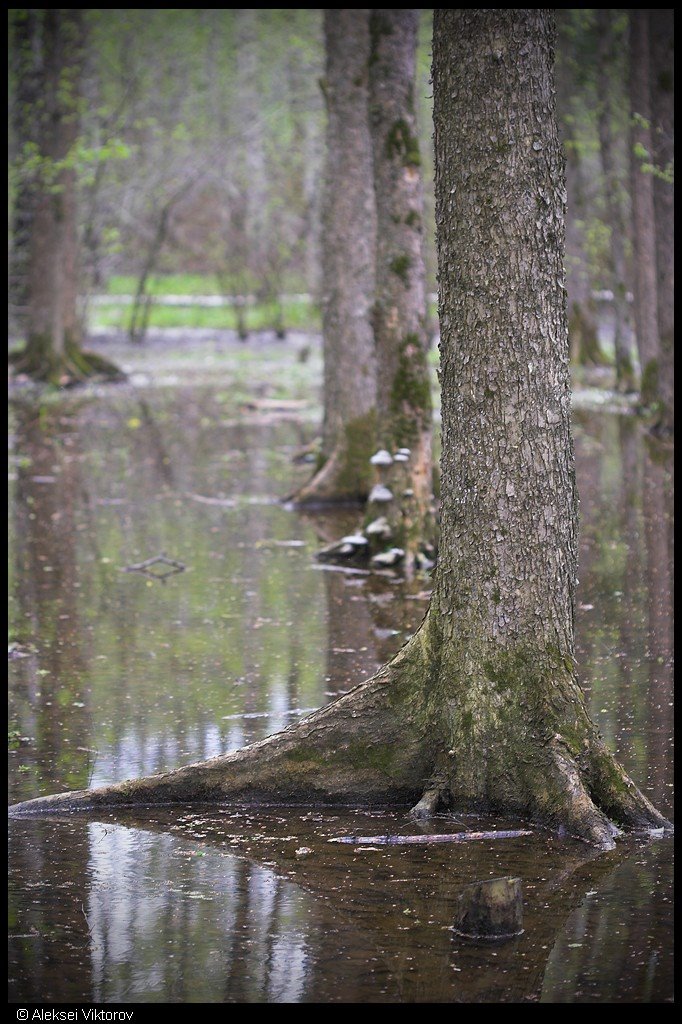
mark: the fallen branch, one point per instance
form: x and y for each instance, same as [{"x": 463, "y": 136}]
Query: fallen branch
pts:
[{"x": 454, "y": 837}]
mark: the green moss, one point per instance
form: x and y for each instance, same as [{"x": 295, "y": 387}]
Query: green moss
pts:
[
  {"x": 467, "y": 721},
  {"x": 649, "y": 385},
  {"x": 355, "y": 471},
  {"x": 378, "y": 756},
  {"x": 303, "y": 754},
  {"x": 402, "y": 145},
  {"x": 665, "y": 81},
  {"x": 410, "y": 397},
  {"x": 413, "y": 220},
  {"x": 400, "y": 266}
]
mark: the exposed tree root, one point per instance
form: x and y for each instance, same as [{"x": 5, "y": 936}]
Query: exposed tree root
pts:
[
  {"x": 385, "y": 743},
  {"x": 73, "y": 366},
  {"x": 332, "y": 484}
]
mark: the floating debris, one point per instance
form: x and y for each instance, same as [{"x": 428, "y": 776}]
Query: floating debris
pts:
[
  {"x": 145, "y": 567},
  {"x": 220, "y": 502}
]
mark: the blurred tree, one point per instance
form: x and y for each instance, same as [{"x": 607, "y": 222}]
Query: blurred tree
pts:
[
  {"x": 25, "y": 58},
  {"x": 610, "y": 77},
  {"x": 404, "y": 407},
  {"x": 585, "y": 230},
  {"x": 662, "y": 38},
  {"x": 53, "y": 331},
  {"x": 643, "y": 217},
  {"x": 347, "y": 268}
]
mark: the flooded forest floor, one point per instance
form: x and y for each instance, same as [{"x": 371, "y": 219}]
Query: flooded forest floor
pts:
[{"x": 114, "y": 674}]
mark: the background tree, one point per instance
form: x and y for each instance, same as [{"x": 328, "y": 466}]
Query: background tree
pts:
[
  {"x": 347, "y": 268},
  {"x": 481, "y": 709},
  {"x": 643, "y": 217},
  {"x": 53, "y": 332},
  {"x": 663, "y": 139},
  {"x": 399, "y": 314},
  {"x": 585, "y": 230},
  {"x": 609, "y": 78},
  {"x": 25, "y": 60}
]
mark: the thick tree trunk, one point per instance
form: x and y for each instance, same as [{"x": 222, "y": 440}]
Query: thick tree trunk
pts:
[
  {"x": 399, "y": 315},
  {"x": 347, "y": 269},
  {"x": 643, "y": 222},
  {"x": 53, "y": 351},
  {"x": 663, "y": 139},
  {"x": 625, "y": 374},
  {"x": 481, "y": 710}
]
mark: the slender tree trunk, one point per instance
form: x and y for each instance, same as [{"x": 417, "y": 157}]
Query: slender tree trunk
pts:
[
  {"x": 643, "y": 222},
  {"x": 347, "y": 269},
  {"x": 585, "y": 349},
  {"x": 481, "y": 709},
  {"x": 251, "y": 147},
  {"x": 399, "y": 317},
  {"x": 625, "y": 375},
  {"x": 53, "y": 351},
  {"x": 663, "y": 139}
]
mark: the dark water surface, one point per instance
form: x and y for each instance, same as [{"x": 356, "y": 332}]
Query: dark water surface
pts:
[{"x": 115, "y": 674}]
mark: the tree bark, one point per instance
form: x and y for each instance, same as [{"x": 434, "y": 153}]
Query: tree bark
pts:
[
  {"x": 606, "y": 50},
  {"x": 404, "y": 406},
  {"x": 643, "y": 222},
  {"x": 481, "y": 709},
  {"x": 53, "y": 347},
  {"x": 347, "y": 269},
  {"x": 663, "y": 139}
]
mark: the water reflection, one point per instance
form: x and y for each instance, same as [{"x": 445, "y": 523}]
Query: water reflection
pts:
[
  {"x": 218, "y": 907},
  {"x": 119, "y": 675}
]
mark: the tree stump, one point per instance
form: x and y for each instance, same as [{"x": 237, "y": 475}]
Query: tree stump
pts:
[{"x": 490, "y": 910}]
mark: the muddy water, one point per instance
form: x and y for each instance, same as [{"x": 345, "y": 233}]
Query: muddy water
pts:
[{"x": 114, "y": 674}]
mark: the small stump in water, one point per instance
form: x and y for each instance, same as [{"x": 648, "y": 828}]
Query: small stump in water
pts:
[{"x": 490, "y": 910}]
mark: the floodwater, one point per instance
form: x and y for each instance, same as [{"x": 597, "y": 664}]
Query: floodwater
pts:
[{"x": 113, "y": 674}]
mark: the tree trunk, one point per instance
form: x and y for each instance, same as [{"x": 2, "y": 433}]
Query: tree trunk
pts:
[
  {"x": 481, "y": 709},
  {"x": 613, "y": 189},
  {"x": 347, "y": 269},
  {"x": 585, "y": 349},
  {"x": 53, "y": 351},
  {"x": 643, "y": 222},
  {"x": 26, "y": 58},
  {"x": 399, "y": 315},
  {"x": 251, "y": 173},
  {"x": 663, "y": 138}
]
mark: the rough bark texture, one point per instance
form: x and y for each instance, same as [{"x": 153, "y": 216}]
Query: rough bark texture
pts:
[
  {"x": 663, "y": 139},
  {"x": 606, "y": 54},
  {"x": 643, "y": 222},
  {"x": 347, "y": 268},
  {"x": 53, "y": 351},
  {"x": 481, "y": 709},
  {"x": 399, "y": 316}
]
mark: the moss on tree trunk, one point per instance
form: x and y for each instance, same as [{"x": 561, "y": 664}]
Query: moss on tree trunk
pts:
[{"x": 347, "y": 270}]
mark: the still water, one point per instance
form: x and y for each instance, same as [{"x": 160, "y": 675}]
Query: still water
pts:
[{"x": 113, "y": 674}]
